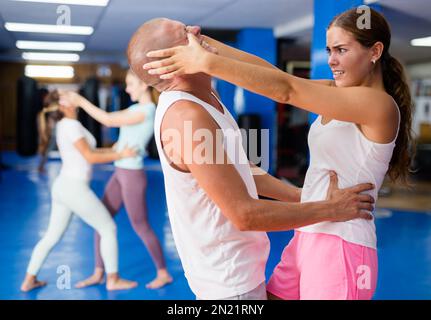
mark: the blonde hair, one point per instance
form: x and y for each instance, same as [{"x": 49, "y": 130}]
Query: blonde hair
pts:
[
  {"x": 154, "y": 93},
  {"x": 50, "y": 110}
]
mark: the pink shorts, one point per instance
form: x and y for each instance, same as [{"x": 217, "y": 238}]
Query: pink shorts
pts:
[{"x": 317, "y": 266}]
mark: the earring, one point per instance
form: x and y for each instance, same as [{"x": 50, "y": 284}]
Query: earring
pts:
[{"x": 373, "y": 61}]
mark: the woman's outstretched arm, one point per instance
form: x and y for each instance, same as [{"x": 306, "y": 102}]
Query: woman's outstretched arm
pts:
[
  {"x": 102, "y": 155},
  {"x": 109, "y": 119},
  {"x": 361, "y": 105},
  {"x": 234, "y": 53}
]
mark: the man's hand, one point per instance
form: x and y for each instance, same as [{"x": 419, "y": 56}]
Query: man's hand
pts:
[{"x": 348, "y": 204}]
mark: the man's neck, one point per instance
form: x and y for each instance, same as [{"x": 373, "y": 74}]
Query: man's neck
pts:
[{"x": 197, "y": 85}]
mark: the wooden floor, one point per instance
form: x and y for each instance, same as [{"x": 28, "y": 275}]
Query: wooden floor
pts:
[{"x": 415, "y": 198}]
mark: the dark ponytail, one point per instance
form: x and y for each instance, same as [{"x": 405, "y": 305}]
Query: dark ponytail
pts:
[
  {"x": 396, "y": 85},
  {"x": 394, "y": 80}
]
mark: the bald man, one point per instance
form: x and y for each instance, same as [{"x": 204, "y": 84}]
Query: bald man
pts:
[{"x": 217, "y": 218}]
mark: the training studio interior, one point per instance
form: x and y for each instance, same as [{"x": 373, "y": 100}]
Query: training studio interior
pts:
[{"x": 78, "y": 46}]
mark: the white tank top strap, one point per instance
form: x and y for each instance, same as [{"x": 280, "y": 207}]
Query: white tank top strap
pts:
[
  {"x": 211, "y": 110},
  {"x": 168, "y": 98}
]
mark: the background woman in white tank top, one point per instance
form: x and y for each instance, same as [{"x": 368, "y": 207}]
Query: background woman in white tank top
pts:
[
  {"x": 363, "y": 133},
  {"x": 71, "y": 193},
  {"x": 128, "y": 185}
]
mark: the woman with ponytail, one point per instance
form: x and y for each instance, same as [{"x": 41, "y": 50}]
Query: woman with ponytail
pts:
[
  {"x": 363, "y": 132},
  {"x": 71, "y": 193},
  {"x": 128, "y": 184},
  {"x": 46, "y": 121}
]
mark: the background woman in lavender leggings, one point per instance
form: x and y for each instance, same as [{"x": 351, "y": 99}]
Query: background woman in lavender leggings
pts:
[{"x": 128, "y": 184}]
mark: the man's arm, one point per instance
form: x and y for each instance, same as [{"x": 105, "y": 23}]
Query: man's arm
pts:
[
  {"x": 225, "y": 187},
  {"x": 271, "y": 187}
]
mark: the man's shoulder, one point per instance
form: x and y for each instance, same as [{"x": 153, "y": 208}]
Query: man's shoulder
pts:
[
  {"x": 175, "y": 107},
  {"x": 184, "y": 109}
]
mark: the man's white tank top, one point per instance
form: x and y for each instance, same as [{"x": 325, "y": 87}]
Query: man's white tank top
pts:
[
  {"x": 342, "y": 147},
  {"x": 219, "y": 261}
]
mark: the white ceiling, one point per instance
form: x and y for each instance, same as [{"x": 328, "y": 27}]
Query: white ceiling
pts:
[{"x": 115, "y": 23}]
